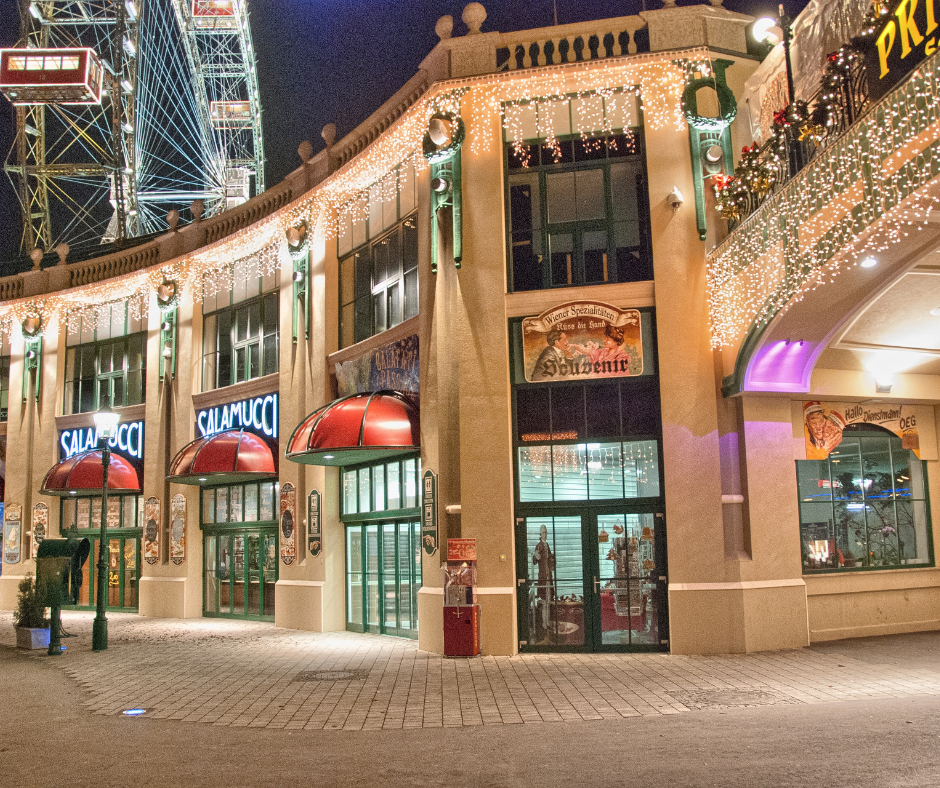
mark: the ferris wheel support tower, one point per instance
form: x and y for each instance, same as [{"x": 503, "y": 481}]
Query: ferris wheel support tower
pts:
[{"x": 127, "y": 108}]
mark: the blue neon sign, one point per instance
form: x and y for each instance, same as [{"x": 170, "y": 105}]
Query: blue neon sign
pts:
[
  {"x": 255, "y": 414},
  {"x": 129, "y": 440}
]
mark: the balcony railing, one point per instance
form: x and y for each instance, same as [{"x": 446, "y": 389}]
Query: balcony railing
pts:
[{"x": 800, "y": 133}]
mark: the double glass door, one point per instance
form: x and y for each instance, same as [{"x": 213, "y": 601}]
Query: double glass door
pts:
[
  {"x": 240, "y": 573},
  {"x": 592, "y": 582},
  {"x": 383, "y": 575}
]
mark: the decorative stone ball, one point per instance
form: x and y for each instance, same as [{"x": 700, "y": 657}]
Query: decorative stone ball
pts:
[
  {"x": 444, "y": 27},
  {"x": 474, "y": 15},
  {"x": 305, "y": 151},
  {"x": 36, "y": 257},
  {"x": 63, "y": 251},
  {"x": 329, "y": 134},
  {"x": 173, "y": 218}
]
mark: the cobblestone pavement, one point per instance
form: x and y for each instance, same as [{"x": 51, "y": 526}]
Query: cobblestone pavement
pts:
[{"x": 239, "y": 673}]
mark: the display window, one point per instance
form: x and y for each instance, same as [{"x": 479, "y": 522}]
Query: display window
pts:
[
  {"x": 865, "y": 506},
  {"x": 240, "y": 540}
]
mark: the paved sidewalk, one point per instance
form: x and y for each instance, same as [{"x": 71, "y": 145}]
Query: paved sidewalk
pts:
[{"x": 235, "y": 673}]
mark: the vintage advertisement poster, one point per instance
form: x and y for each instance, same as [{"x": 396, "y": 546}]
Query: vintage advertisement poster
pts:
[
  {"x": 178, "y": 529},
  {"x": 823, "y": 423},
  {"x": 40, "y": 527},
  {"x": 12, "y": 532},
  {"x": 288, "y": 524},
  {"x": 314, "y": 524},
  {"x": 582, "y": 340},
  {"x": 393, "y": 366},
  {"x": 114, "y": 512},
  {"x": 151, "y": 531},
  {"x": 429, "y": 512}
]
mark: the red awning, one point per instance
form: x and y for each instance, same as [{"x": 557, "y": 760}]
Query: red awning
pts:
[
  {"x": 84, "y": 472},
  {"x": 358, "y": 428},
  {"x": 230, "y": 456}
]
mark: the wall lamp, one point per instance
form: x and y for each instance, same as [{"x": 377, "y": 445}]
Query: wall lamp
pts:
[{"x": 675, "y": 198}]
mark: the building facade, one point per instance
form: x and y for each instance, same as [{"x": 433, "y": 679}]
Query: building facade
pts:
[{"x": 504, "y": 309}]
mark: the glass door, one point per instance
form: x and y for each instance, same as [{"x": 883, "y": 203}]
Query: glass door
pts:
[
  {"x": 383, "y": 575},
  {"x": 123, "y": 561},
  {"x": 240, "y": 573},
  {"x": 591, "y": 582}
]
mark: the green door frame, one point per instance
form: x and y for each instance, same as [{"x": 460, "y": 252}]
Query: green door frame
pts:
[
  {"x": 123, "y": 535},
  {"x": 588, "y": 515},
  {"x": 231, "y": 531}
]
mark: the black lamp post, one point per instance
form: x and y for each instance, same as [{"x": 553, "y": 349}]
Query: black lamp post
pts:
[
  {"x": 106, "y": 421},
  {"x": 774, "y": 31}
]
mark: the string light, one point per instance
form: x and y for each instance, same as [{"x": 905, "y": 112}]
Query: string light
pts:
[
  {"x": 596, "y": 92},
  {"x": 823, "y": 220}
]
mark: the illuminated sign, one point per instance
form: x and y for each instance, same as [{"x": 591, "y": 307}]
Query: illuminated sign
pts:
[
  {"x": 903, "y": 38},
  {"x": 255, "y": 414},
  {"x": 128, "y": 440}
]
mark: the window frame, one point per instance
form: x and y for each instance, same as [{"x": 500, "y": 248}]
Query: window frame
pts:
[
  {"x": 73, "y": 356},
  {"x": 577, "y": 228},
  {"x": 264, "y": 301},
  {"x": 364, "y": 298}
]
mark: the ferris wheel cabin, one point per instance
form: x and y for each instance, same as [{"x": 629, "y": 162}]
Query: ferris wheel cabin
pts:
[
  {"x": 230, "y": 114},
  {"x": 215, "y": 14},
  {"x": 51, "y": 76}
]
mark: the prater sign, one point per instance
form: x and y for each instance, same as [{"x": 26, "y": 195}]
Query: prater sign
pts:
[{"x": 256, "y": 414}]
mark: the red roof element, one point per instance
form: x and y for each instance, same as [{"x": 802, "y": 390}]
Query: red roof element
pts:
[
  {"x": 231, "y": 456},
  {"x": 355, "y": 429},
  {"x": 84, "y": 473}
]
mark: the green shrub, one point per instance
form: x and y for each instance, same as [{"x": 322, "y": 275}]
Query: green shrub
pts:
[{"x": 30, "y": 606}]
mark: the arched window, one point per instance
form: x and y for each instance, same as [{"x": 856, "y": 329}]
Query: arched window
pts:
[{"x": 864, "y": 507}]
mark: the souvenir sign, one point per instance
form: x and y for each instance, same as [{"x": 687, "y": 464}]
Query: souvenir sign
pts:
[
  {"x": 429, "y": 513},
  {"x": 314, "y": 532},
  {"x": 287, "y": 524},
  {"x": 151, "y": 531},
  {"x": 12, "y": 527},
  {"x": 178, "y": 529},
  {"x": 823, "y": 423},
  {"x": 582, "y": 340},
  {"x": 40, "y": 527}
]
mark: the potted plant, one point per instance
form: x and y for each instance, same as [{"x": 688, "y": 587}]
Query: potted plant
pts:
[{"x": 29, "y": 618}]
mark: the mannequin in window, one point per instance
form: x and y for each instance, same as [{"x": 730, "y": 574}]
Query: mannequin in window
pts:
[{"x": 543, "y": 558}]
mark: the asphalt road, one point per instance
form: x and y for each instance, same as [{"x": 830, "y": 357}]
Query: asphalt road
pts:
[{"x": 48, "y": 738}]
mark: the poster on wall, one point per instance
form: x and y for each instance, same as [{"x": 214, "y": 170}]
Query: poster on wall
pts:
[
  {"x": 582, "y": 340},
  {"x": 12, "y": 528},
  {"x": 151, "y": 531},
  {"x": 314, "y": 529},
  {"x": 823, "y": 423},
  {"x": 392, "y": 366},
  {"x": 287, "y": 520},
  {"x": 178, "y": 529},
  {"x": 429, "y": 512},
  {"x": 40, "y": 527}
]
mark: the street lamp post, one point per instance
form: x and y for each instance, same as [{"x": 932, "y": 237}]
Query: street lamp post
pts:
[
  {"x": 775, "y": 31},
  {"x": 106, "y": 421}
]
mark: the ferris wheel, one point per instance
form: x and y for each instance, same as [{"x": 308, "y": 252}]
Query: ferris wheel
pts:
[{"x": 126, "y": 109}]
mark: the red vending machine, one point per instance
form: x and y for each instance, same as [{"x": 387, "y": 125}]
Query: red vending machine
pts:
[{"x": 461, "y": 613}]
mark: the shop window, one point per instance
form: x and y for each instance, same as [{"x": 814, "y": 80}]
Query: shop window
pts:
[
  {"x": 240, "y": 328},
  {"x": 578, "y": 213},
  {"x": 865, "y": 506},
  {"x": 4, "y": 376},
  {"x": 379, "y": 488},
  {"x": 84, "y": 513},
  {"x": 379, "y": 284},
  {"x": 240, "y": 503},
  {"x": 106, "y": 358},
  {"x": 590, "y": 441}
]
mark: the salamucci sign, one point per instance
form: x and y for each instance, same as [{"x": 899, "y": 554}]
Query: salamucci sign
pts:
[
  {"x": 128, "y": 440},
  {"x": 258, "y": 414}
]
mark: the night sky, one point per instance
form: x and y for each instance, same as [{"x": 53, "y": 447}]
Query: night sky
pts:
[{"x": 336, "y": 61}]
